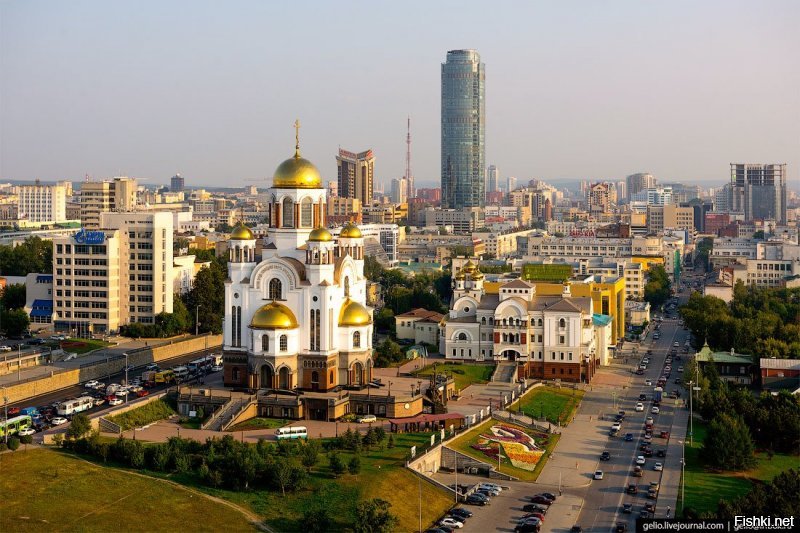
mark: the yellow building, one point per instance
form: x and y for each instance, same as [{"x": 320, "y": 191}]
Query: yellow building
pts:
[{"x": 647, "y": 261}]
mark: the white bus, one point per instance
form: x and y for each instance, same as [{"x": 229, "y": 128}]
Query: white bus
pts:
[
  {"x": 216, "y": 359},
  {"x": 200, "y": 365},
  {"x": 78, "y": 405},
  {"x": 181, "y": 372},
  {"x": 296, "y": 432}
]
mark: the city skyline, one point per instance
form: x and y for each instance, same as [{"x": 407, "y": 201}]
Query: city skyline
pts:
[{"x": 210, "y": 109}]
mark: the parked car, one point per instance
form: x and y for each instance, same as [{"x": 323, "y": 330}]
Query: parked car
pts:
[
  {"x": 541, "y": 500},
  {"x": 141, "y": 393},
  {"x": 640, "y": 460},
  {"x": 366, "y": 419},
  {"x": 460, "y": 512},
  {"x": 658, "y": 467},
  {"x": 477, "y": 499},
  {"x": 632, "y": 488},
  {"x": 655, "y": 410},
  {"x": 5, "y": 348},
  {"x": 643, "y": 397},
  {"x": 535, "y": 508},
  {"x": 91, "y": 384},
  {"x": 621, "y": 527},
  {"x": 628, "y": 437},
  {"x": 216, "y": 368},
  {"x": 627, "y": 508},
  {"x": 598, "y": 474},
  {"x": 616, "y": 426},
  {"x": 25, "y": 432},
  {"x": 59, "y": 420},
  {"x": 451, "y": 522},
  {"x": 661, "y": 453},
  {"x": 637, "y": 471},
  {"x": 605, "y": 456},
  {"x": 648, "y": 452},
  {"x": 491, "y": 486},
  {"x": 552, "y": 497},
  {"x": 639, "y": 407}
]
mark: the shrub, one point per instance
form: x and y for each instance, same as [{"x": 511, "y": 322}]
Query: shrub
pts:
[
  {"x": 141, "y": 416},
  {"x": 3, "y": 446},
  {"x": 13, "y": 444},
  {"x": 26, "y": 439},
  {"x": 354, "y": 466}
]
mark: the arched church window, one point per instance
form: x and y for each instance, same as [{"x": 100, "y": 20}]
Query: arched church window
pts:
[
  {"x": 357, "y": 339},
  {"x": 346, "y": 286},
  {"x": 462, "y": 336},
  {"x": 284, "y": 343},
  {"x": 275, "y": 289},
  {"x": 306, "y": 213},
  {"x": 562, "y": 323},
  {"x": 265, "y": 343},
  {"x": 287, "y": 210}
]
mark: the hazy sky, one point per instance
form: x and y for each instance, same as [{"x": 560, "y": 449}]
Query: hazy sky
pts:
[{"x": 573, "y": 89}]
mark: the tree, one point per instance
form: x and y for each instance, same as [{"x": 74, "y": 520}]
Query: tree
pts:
[
  {"x": 388, "y": 352},
  {"x": 33, "y": 255},
  {"x": 13, "y": 296},
  {"x": 79, "y": 426},
  {"x": 384, "y": 320},
  {"x": 309, "y": 454},
  {"x": 282, "y": 471},
  {"x": 657, "y": 290},
  {"x": 207, "y": 298},
  {"x": 728, "y": 445},
  {"x": 373, "y": 516},
  {"x": 336, "y": 464},
  {"x": 15, "y": 322},
  {"x": 390, "y": 443},
  {"x": 316, "y": 518},
  {"x": 354, "y": 465}
]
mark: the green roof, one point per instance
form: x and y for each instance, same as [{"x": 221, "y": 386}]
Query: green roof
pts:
[
  {"x": 543, "y": 272},
  {"x": 601, "y": 320},
  {"x": 705, "y": 355}
]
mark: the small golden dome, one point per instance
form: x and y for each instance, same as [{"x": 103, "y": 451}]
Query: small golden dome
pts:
[
  {"x": 273, "y": 316},
  {"x": 460, "y": 276},
  {"x": 320, "y": 235},
  {"x": 354, "y": 314},
  {"x": 350, "y": 231},
  {"x": 242, "y": 233},
  {"x": 476, "y": 276},
  {"x": 469, "y": 266},
  {"x": 297, "y": 173}
]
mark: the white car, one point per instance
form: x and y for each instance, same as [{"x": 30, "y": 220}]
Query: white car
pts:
[
  {"x": 598, "y": 474},
  {"x": 648, "y": 382},
  {"x": 658, "y": 467},
  {"x": 58, "y": 337},
  {"x": 640, "y": 459},
  {"x": 655, "y": 410},
  {"x": 59, "y": 420},
  {"x": 680, "y": 369},
  {"x": 216, "y": 368},
  {"x": 115, "y": 401},
  {"x": 616, "y": 427},
  {"x": 648, "y": 420},
  {"x": 639, "y": 407},
  {"x": 451, "y": 522},
  {"x": 25, "y": 432},
  {"x": 490, "y": 486},
  {"x": 675, "y": 344},
  {"x": 5, "y": 348},
  {"x": 100, "y": 386},
  {"x": 646, "y": 360},
  {"x": 91, "y": 384},
  {"x": 366, "y": 419}
]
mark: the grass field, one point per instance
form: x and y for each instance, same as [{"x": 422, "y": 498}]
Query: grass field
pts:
[
  {"x": 704, "y": 489},
  {"x": 141, "y": 416},
  {"x": 463, "y": 374},
  {"x": 81, "y": 346},
  {"x": 259, "y": 423},
  {"x": 555, "y": 405},
  {"x": 464, "y": 445},
  {"x": 45, "y": 490}
]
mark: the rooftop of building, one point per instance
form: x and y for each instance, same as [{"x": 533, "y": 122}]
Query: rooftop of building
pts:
[
  {"x": 780, "y": 364},
  {"x": 706, "y": 355}
]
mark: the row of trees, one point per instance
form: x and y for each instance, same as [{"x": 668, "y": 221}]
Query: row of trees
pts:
[
  {"x": 740, "y": 421},
  {"x": 658, "y": 288},
  {"x": 13, "y": 318},
  {"x": 33, "y": 255},
  {"x": 760, "y": 321},
  {"x": 227, "y": 463}
]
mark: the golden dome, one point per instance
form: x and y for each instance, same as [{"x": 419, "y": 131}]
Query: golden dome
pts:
[
  {"x": 273, "y": 316},
  {"x": 242, "y": 233},
  {"x": 354, "y": 314},
  {"x": 469, "y": 266},
  {"x": 460, "y": 276},
  {"x": 297, "y": 173},
  {"x": 350, "y": 231},
  {"x": 320, "y": 235}
]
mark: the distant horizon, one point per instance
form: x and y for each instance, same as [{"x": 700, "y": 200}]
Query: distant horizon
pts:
[{"x": 211, "y": 90}]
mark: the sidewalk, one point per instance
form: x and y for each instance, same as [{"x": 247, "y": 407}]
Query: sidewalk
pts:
[{"x": 671, "y": 476}]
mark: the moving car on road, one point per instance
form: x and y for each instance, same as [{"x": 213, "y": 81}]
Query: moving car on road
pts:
[
  {"x": 598, "y": 474},
  {"x": 639, "y": 407}
]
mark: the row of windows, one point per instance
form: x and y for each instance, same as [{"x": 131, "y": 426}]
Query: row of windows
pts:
[
  {"x": 83, "y": 249},
  {"x": 82, "y": 283},
  {"x": 83, "y": 314},
  {"x": 82, "y": 294}
]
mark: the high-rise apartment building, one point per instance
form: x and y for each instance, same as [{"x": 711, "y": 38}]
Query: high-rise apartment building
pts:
[
  {"x": 639, "y": 182},
  {"x": 622, "y": 190},
  {"x": 115, "y": 275},
  {"x": 463, "y": 130},
  {"x": 759, "y": 191},
  {"x": 176, "y": 183},
  {"x": 492, "y": 179},
  {"x": 44, "y": 204},
  {"x": 400, "y": 190},
  {"x": 355, "y": 175},
  {"x": 98, "y": 197},
  {"x": 600, "y": 197},
  {"x": 511, "y": 184}
]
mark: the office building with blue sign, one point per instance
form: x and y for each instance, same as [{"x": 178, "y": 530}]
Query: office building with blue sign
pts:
[{"x": 114, "y": 275}]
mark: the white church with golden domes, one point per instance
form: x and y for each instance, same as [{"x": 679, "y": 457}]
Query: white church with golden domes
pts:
[{"x": 296, "y": 317}]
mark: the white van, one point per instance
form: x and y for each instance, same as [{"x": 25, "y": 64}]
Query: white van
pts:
[
  {"x": 366, "y": 419},
  {"x": 296, "y": 432}
]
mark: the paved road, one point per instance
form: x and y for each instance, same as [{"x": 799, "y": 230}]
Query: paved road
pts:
[{"x": 603, "y": 502}]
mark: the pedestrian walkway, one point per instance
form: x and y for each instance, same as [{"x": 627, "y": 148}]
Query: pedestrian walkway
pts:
[
  {"x": 505, "y": 372},
  {"x": 671, "y": 476}
]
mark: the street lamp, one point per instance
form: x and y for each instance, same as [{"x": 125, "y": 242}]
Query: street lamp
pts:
[
  {"x": 390, "y": 389},
  {"x": 5, "y": 406},
  {"x": 683, "y": 471},
  {"x": 126, "y": 376},
  {"x": 196, "y": 319}
]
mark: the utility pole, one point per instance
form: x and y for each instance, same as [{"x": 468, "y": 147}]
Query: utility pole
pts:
[
  {"x": 196, "y": 319},
  {"x": 126, "y": 376},
  {"x": 5, "y": 405},
  {"x": 409, "y": 177}
]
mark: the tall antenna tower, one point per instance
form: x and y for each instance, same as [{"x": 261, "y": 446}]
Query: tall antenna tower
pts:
[{"x": 411, "y": 193}]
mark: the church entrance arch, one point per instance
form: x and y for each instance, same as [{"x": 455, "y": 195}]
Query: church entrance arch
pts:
[
  {"x": 358, "y": 371},
  {"x": 315, "y": 380},
  {"x": 267, "y": 376},
  {"x": 283, "y": 378},
  {"x": 511, "y": 355}
]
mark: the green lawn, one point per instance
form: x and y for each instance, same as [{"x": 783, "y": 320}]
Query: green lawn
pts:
[
  {"x": 259, "y": 423},
  {"x": 141, "y": 416},
  {"x": 64, "y": 493},
  {"x": 705, "y": 488},
  {"x": 554, "y": 404},
  {"x": 465, "y": 443},
  {"x": 81, "y": 346},
  {"x": 464, "y": 374}
]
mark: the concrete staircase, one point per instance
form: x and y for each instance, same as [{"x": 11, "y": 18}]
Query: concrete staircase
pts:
[
  {"x": 223, "y": 416},
  {"x": 506, "y": 372}
]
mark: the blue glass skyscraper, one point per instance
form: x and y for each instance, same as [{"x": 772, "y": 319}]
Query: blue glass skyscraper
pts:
[{"x": 463, "y": 130}]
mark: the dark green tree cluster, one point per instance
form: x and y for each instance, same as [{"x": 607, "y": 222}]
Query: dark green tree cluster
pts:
[
  {"x": 763, "y": 322},
  {"x": 401, "y": 293},
  {"x": 373, "y": 516},
  {"x": 387, "y": 353},
  {"x": 13, "y": 296},
  {"x": 658, "y": 288},
  {"x": 206, "y": 299},
  {"x": 718, "y": 400},
  {"x": 702, "y": 251},
  {"x": 13, "y": 318},
  {"x": 166, "y": 324},
  {"x": 33, "y": 255},
  {"x": 355, "y": 442},
  {"x": 728, "y": 445}
]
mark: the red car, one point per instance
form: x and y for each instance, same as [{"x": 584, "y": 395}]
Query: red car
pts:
[
  {"x": 540, "y": 516},
  {"x": 143, "y": 392},
  {"x": 665, "y": 434},
  {"x": 12, "y": 411}
]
